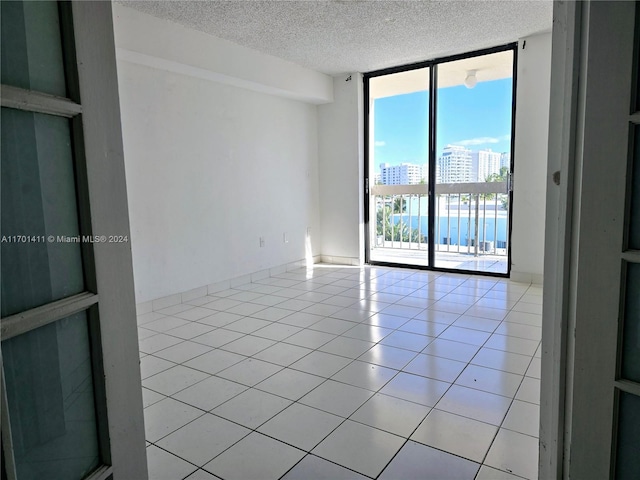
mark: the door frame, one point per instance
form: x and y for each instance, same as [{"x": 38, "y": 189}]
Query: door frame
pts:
[
  {"x": 109, "y": 298},
  {"x": 589, "y": 121},
  {"x": 433, "y": 66}
]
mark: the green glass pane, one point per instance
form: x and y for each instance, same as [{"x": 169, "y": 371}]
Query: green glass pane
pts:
[
  {"x": 39, "y": 212},
  {"x": 32, "y": 47},
  {"x": 631, "y": 330},
  {"x": 628, "y": 446},
  {"x": 634, "y": 213},
  {"x": 49, "y": 381}
]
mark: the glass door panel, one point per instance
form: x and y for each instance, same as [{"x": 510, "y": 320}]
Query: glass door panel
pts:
[
  {"x": 398, "y": 167},
  {"x": 473, "y": 163}
]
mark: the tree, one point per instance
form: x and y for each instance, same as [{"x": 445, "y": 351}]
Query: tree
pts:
[{"x": 498, "y": 177}]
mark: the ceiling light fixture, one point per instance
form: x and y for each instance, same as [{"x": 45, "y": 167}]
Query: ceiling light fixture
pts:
[{"x": 470, "y": 81}]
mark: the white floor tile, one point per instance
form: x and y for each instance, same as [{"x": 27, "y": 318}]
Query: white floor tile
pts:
[
  {"x": 214, "y": 361},
  {"x": 365, "y": 375},
  {"x": 251, "y": 408},
  {"x": 301, "y": 426},
  {"x": 482, "y": 406},
  {"x": 386, "y": 356},
  {"x": 425, "y": 391},
  {"x": 417, "y": 461},
  {"x": 283, "y": 354},
  {"x": 490, "y": 380},
  {"x": 174, "y": 379},
  {"x": 149, "y": 397},
  {"x": 255, "y": 457},
  {"x": 201, "y": 441},
  {"x": 217, "y": 338},
  {"x": 423, "y": 327},
  {"x": 200, "y": 475},
  {"x": 247, "y": 325},
  {"x": 511, "y": 344},
  {"x": 165, "y": 466},
  {"x": 151, "y": 365},
  {"x": 195, "y": 313},
  {"x": 332, "y": 325},
  {"x": 277, "y": 331},
  {"x": 515, "y": 453},
  {"x": 312, "y": 467},
  {"x": 183, "y": 352},
  {"x": 321, "y": 364},
  {"x": 249, "y": 371},
  {"x": 248, "y": 345},
  {"x": 462, "y": 352},
  {"x": 455, "y": 434},
  {"x": 523, "y": 417},
  {"x": 465, "y": 335},
  {"x": 500, "y": 360},
  {"x": 162, "y": 418},
  {"x": 434, "y": 367},
  {"x": 289, "y": 383},
  {"x": 367, "y": 333},
  {"x": 489, "y": 473},
  {"x": 158, "y": 342},
  {"x": 406, "y": 340},
  {"x": 404, "y": 334},
  {"x": 310, "y": 339},
  {"x": 336, "y": 398},
  {"x": 529, "y": 391},
  {"x": 219, "y": 319},
  {"x": 360, "y": 448},
  {"x": 391, "y": 414},
  {"x": 190, "y": 330},
  {"x": 346, "y": 347},
  {"x": 210, "y": 393}
]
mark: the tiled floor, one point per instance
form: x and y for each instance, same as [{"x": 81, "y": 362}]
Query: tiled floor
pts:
[{"x": 346, "y": 373}]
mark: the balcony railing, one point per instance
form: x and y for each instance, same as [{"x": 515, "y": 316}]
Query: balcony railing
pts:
[{"x": 470, "y": 218}]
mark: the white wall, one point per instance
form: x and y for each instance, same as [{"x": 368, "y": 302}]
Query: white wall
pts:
[
  {"x": 211, "y": 168},
  {"x": 530, "y": 157},
  {"x": 340, "y": 140}
]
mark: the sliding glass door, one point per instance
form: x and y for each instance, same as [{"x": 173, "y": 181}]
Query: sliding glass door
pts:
[
  {"x": 439, "y": 143},
  {"x": 399, "y": 171}
]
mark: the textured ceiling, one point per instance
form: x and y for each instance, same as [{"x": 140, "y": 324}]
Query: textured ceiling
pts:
[{"x": 342, "y": 36}]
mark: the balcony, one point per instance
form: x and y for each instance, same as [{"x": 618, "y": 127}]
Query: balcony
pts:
[{"x": 471, "y": 225}]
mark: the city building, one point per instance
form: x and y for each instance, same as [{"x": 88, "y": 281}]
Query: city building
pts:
[
  {"x": 403, "y": 174},
  {"x": 485, "y": 163},
  {"x": 455, "y": 165}
]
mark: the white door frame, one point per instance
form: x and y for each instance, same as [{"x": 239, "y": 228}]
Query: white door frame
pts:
[{"x": 587, "y": 166}]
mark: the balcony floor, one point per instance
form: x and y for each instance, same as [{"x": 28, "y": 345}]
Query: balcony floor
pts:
[
  {"x": 345, "y": 372},
  {"x": 461, "y": 261}
]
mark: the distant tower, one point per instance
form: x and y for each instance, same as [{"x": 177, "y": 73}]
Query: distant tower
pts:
[{"x": 455, "y": 165}]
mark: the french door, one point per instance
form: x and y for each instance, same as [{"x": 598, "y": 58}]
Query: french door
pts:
[
  {"x": 438, "y": 145},
  {"x": 69, "y": 374}
]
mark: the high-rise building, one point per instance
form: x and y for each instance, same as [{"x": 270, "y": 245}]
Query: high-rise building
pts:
[
  {"x": 455, "y": 165},
  {"x": 403, "y": 174},
  {"x": 485, "y": 163},
  {"x": 505, "y": 160}
]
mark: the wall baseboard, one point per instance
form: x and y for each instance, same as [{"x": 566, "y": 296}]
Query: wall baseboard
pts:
[
  {"x": 183, "y": 297},
  {"x": 526, "y": 277}
]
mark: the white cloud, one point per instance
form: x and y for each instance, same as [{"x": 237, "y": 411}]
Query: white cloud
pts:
[
  {"x": 482, "y": 140},
  {"x": 380, "y": 143}
]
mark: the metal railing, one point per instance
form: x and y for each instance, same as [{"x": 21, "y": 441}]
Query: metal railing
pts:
[{"x": 470, "y": 218}]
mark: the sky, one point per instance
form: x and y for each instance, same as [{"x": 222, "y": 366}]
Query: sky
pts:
[{"x": 478, "y": 118}]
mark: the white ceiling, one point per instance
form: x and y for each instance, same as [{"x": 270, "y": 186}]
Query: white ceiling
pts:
[{"x": 340, "y": 36}]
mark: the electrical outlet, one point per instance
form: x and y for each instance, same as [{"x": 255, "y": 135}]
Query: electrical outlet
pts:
[
  {"x": 261, "y": 242},
  {"x": 285, "y": 238}
]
